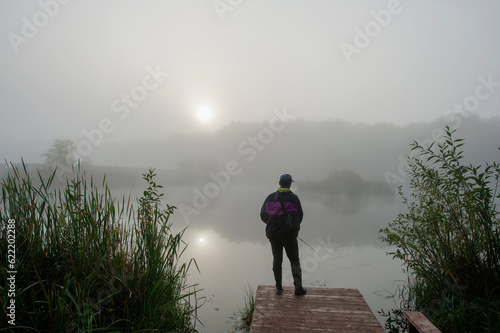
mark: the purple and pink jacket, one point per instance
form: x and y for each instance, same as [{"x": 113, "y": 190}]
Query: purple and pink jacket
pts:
[{"x": 273, "y": 216}]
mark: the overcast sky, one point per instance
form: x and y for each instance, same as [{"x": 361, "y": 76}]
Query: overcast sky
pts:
[{"x": 147, "y": 69}]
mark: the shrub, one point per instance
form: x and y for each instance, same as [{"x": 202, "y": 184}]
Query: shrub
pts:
[{"x": 449, "y": 240}]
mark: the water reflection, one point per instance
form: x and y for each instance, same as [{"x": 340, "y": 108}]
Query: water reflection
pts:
[
  {"x": 228, "y": 267},
  {"x": 235, "y": 215},
  {"x": 337, "y": 250}
]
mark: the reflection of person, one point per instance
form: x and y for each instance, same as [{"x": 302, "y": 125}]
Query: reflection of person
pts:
[{"x": 273, "y": 212}]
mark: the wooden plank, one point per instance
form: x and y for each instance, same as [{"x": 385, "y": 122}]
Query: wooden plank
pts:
[
  {"x": 320, "y": 310},
  {"x": 418, "y": 323}
]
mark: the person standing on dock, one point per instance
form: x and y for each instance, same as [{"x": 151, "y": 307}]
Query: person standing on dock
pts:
[{"x": 282, "y": 213}]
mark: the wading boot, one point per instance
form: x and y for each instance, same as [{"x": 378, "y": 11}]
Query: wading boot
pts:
[
  {"x": 297, "y": 281},
  {"x": 277, "y": 278}
]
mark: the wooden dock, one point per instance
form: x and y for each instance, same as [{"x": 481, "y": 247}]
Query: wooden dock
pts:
[{"x": 320, "y": 310}]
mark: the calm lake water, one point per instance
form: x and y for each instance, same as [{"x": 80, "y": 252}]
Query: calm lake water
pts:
[{"x": 227, "y": 240}]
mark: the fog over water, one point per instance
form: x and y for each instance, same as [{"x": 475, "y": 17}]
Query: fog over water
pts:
[
  {"x": 344, "y": 209},
  {"x": 126, "y": 71},
  {"x": 222, "y": 97},
  {"x": 346, "y": 177},
  {"x": 228, "y": 242}
]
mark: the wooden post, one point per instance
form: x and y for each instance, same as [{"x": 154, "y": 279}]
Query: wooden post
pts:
[{"x": 418, "y": 323}]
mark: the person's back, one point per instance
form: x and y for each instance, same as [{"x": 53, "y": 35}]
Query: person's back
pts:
[
  {"x": 273, "y": 215},
  {"x": 282, "y": 213}
]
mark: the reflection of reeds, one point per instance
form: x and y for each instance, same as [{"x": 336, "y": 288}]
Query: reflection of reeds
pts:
[
  {"x": 242, "y": 319},
  {"x": 79, "y": 269}
]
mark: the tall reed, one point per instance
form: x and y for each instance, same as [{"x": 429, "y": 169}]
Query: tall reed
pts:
[{"x": 86, "y": 262}]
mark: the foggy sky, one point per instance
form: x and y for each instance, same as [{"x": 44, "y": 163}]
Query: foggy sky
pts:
[{"x": 74, "y": 66}]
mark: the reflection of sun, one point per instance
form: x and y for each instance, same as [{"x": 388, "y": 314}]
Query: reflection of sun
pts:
[
  {"x": 204, "y": 114},
  {"x": 202, "y": 240}
]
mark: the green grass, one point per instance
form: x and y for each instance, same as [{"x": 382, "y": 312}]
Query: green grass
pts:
[
  {"x": 242, "y": 319},
  {"x": 87, "y": 263}
]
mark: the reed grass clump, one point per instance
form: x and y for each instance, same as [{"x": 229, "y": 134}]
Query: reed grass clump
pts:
[
  {"x": 242, "y": 319},
  {"x": 449, "y": 240},
  {"x": 86, "y": 262}
]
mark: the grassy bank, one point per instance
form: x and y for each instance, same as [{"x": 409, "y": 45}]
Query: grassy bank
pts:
[{"x": 86, "y": 262}]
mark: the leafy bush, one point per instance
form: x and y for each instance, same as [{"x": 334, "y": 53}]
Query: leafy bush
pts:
[
  {"x": 85, "y": 263},
  {"x": 449, "y": 240}
]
